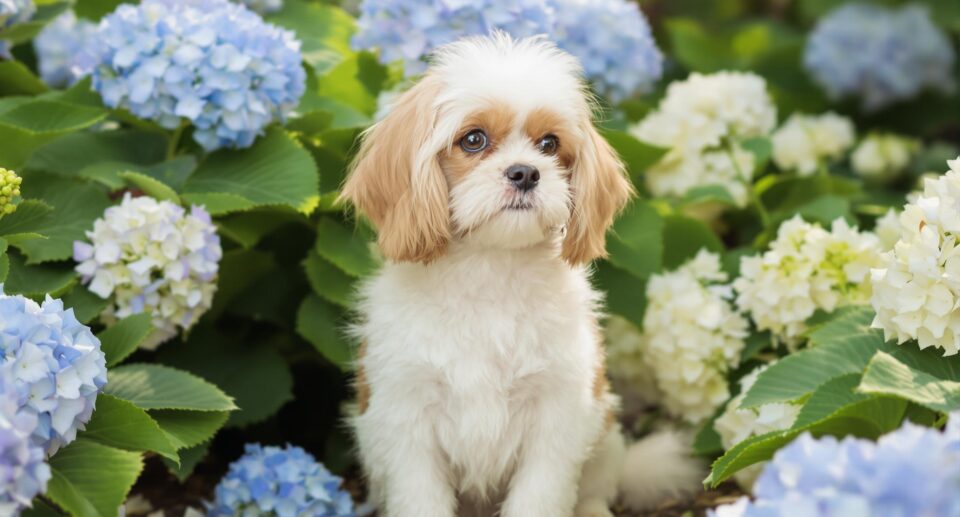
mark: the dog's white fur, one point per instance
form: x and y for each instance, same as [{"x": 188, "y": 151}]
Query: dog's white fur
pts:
[{"x": 481, "y": 378}]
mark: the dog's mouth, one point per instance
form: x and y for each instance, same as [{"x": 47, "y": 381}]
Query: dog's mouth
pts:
[{"x": 519, "y": 205}]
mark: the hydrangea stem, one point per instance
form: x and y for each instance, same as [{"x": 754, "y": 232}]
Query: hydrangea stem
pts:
[
  {"x": 753, "y": 197},
  {"x": 175, "y": 141}
]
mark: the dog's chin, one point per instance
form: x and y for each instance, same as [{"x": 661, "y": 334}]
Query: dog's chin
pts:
[{"x": 517, "y": 225}]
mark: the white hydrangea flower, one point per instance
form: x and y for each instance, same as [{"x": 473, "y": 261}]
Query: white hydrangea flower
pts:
[
  {"x": 152, "y": 256},
  {"x": 677, "y": 174},
  {"x": 887, "y": 229},
  {"x": 916, "y": 288},
  {"x": 735, "y": 425},
  {"x": 692, "y": 336},
  {"x": 630, "y": 375},
  {"x": 882, "y": 155},
  {"x": 696, "y": 120},
  {"x": 806, "y": 268},
  {"x": 804, "y": 142}
]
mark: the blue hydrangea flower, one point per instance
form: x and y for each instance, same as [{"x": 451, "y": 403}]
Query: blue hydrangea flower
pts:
[
  {"x": 64, "y": 50},
  {"x": 613, "y": 41},
  {"x": 285, "y": 482},
  {"x": 880, "y": 54},
  {"x": 212, "y": 63},
  {"x": 13, "y": 12},
  {"x": 610, "y": 37},
  {"x": 56, "y": 361},
  {"x": 263, "y": 6},
  {"x": 912, "y": 471},
  {"x": 23, "y": 471},
  {"x": 408, "y": 30}
]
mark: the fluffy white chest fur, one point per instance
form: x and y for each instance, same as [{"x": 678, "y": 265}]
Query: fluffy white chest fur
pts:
[{"x": 473, "y": 345}]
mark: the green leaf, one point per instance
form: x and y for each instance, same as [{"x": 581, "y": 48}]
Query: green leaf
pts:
[
  {"x": 92, "y": 480},
  {"x": 327, "y": 280},
  {"x": 239, "y": 269},
  {"x": 626, "y": 294},
  {"x": 17, "y": 79},
  {"x": 638, "y": 156},
  {"x": 37, "y": 281},
  {"x": 707, "y": 442},
  {"x": 842, "y": 346},
  {"x": 762, "y": 149},
  {"x": 345, "y": 249},
  {"x": 30, "y": 217},
  {"x": 708, "y": 194},
  {"x": 247, "y": 228},
  {"x": 864, "y": 417},
  {"x": 41, "y": 116},
  {"x": 635, "y": 243},
  {"x": 276, "y": 170},
  {"x": 47, "y": 10},
  {"x": 324, "y": 30},
  {"x": 355, "y": 81},
  {"x": 189, "y": 428},
  {"x": 85, "y": 304},
  {"x": 151, "y": 186},
  {"x": 886, "y": 375},
  {"x": 95, "y": 9},
  {"x": 698, "y": 50},
  {"x": 240, "y": 369},
  {"x": 122, "y": 338},
  {"x": 70, "y": 154},
  {"x": 317, "y": 322},
  {"x": 684, "y": 237},
  {"x": 120, "y": 424},
  {"x": 825, "y": 209},
  {"x": 189, "y": 459},
  {"x": 75, "y": 207},
  {"x": 152, "y": 386}
]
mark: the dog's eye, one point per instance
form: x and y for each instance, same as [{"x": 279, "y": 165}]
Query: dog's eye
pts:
[
  {"x": 548, "y": 145},
  {"x": 474, "y": 141}
]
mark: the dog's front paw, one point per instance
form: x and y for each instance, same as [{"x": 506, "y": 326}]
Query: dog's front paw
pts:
[{"x": 593, "y": 508}]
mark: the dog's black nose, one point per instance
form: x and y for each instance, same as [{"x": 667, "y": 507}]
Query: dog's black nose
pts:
[{"x": 523, "y": 177}]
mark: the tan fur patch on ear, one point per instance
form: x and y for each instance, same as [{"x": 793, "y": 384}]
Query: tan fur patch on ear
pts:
[
  {"x": 360, "y": 381},
  {"x": 401, "y": 191},
  {"x": 600, "y": 190}
]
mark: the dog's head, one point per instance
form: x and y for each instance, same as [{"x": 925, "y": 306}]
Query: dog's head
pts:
[{"x": 494, "y": 147}]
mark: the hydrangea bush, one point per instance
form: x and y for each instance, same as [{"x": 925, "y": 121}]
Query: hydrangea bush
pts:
[{"x": 169, "y": 175}]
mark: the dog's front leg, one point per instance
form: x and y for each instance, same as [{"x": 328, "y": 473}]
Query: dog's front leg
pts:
[
  {"x": 406, "y": 469},
  {"x": 554, "y": 450}
]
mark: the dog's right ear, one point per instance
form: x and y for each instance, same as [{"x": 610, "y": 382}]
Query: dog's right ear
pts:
[{"x": 396, "y": 180}]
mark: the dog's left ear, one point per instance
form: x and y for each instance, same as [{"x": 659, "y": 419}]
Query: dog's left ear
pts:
[{"x": 600, "y": 190}]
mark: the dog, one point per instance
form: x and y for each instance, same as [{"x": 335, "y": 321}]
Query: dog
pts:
[{"x": 480, "y": 378}]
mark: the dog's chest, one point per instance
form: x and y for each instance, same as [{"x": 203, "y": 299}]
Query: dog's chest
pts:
[{"x": 485, "y": 345}]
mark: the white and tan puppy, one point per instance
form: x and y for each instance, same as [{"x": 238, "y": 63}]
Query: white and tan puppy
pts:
[{"x": 481, "y": 378}]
